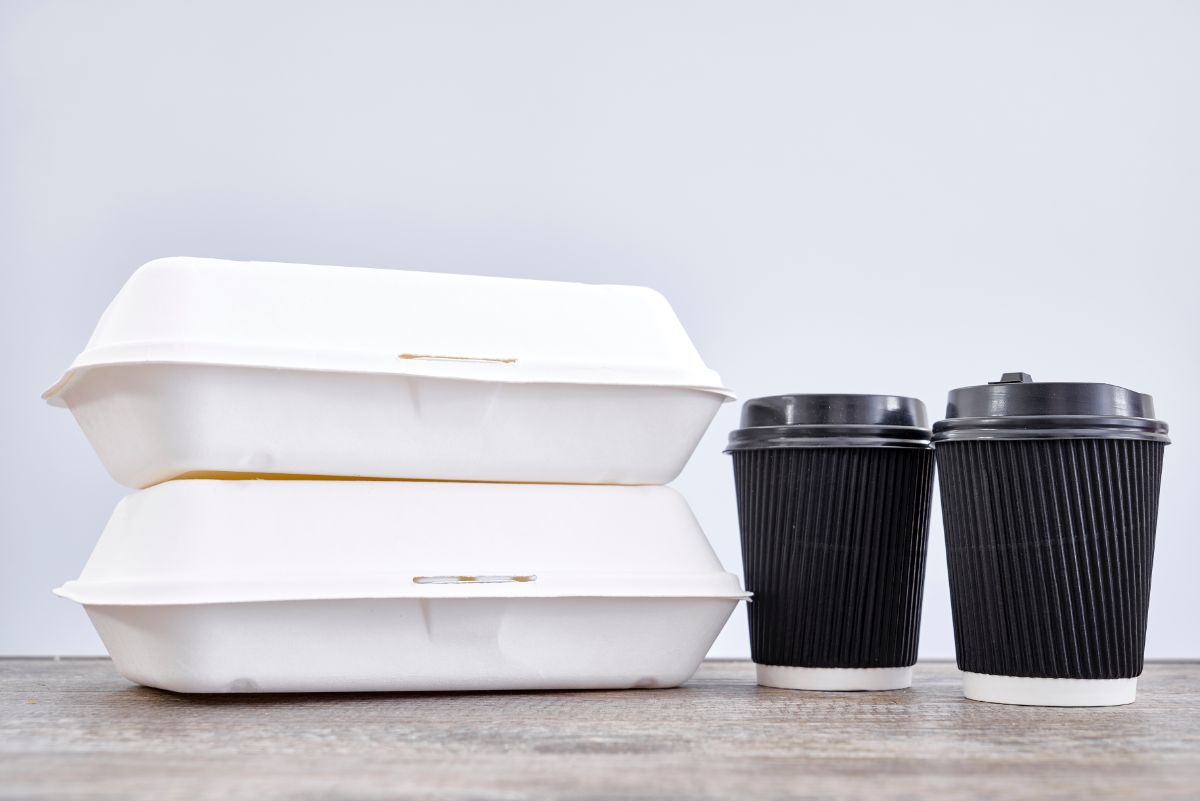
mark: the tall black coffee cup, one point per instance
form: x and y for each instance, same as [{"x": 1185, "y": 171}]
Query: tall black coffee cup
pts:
[
  {"x": 833, "y": 501},
  {"x": 1050, "y": 500}
]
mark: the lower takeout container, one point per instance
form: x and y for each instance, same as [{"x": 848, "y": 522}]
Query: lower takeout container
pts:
[
  {"x": 206, "y": 368},
  {"x": 308, "y": 586}
]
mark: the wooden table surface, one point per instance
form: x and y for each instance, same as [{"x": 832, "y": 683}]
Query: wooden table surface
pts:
[{"x": 74, "y": 729}]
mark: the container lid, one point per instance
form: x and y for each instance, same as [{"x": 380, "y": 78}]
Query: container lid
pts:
[
  {"x": 205, "y": 541},
  {"x": 1017, "y": 407},
  {"x": 261, "y": 314},
  {"x": 831, "y": 421}
]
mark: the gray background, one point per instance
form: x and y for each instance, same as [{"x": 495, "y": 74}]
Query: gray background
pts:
[{"x": 860, "y": 197}]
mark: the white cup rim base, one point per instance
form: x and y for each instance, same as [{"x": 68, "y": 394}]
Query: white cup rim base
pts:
[
  {"x": 834, "y": 679},
  {"x": 1028, "y": 691}
]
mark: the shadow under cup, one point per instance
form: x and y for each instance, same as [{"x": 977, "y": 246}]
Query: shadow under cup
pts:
[
  {"x": 1050, "y": 500},
  {"x": 833, "y": 502}
]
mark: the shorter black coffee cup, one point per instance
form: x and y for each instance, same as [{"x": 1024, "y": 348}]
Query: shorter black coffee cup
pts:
[
  {"x": 1049, "y": 499},
  {"x": 833, "y": 503}
]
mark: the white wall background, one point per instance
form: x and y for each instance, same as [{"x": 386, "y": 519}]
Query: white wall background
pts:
[{"x": 841, "y": 196}]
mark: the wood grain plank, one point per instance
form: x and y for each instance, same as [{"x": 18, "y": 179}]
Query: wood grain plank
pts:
[{"x": 73, "y": 729}]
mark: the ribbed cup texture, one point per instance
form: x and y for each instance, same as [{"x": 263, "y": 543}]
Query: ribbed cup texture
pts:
[
  {"x": 833, "y": 544},
  {"x": 1050, "y": 546}
]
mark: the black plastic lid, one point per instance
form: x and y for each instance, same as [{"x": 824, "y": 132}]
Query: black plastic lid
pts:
[
  {"x": 831, "y": 421},
  {"x": 1017, "y": 407}
]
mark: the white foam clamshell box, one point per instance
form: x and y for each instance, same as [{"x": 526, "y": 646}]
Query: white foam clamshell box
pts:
[
  {"x": 279, "y": 586},
  {"x": 203, "y": 367}
]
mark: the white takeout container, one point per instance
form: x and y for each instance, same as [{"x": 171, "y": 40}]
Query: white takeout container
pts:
[
  {"x": 204, "y": 368},
  {"x": 280, "y": 586}
]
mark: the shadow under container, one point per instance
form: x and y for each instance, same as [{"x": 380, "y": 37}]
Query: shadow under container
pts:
[
  {"x": 833, "y": 502},
  {"x": 1050, "y": 502}
]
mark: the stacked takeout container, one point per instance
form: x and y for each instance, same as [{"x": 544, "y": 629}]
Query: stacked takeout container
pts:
[{"x": 510, "y": 556}]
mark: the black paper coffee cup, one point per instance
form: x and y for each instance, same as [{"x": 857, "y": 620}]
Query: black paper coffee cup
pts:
[
  {"x": 1049, "y": 500},
  {"x": 833, "y": 502}
]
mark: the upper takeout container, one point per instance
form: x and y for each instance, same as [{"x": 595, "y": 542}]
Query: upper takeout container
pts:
[
  {"x": 227, "y": 586},
  {"x": 207, "y": 367}
]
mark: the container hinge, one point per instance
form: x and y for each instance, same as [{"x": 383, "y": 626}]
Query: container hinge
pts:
[
  {"x": 438, "y": 358},
  {"x": 472, "y": 579}
]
